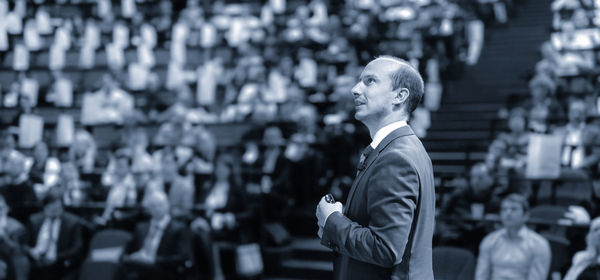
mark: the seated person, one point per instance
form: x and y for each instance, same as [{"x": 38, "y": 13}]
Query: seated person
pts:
[
  {"x": 514, "y": 251},
  {"x": 482, "y": 195},
  {"x": 159, "y": 246},
  {"x": 56, "y": 242},
  {"x": 15, "y": 186},
  {"x": 226, "y": 214},
  {"x": 122, "y": 192},
  {"x": 12, "y": 242},
  {"x": 581, "y": 141},
  {"x": 584, "y": 262}
]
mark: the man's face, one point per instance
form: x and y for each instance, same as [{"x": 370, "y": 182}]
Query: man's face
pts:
[
  {"x": 512, "y": 214},
  {"x": 481, "y": 181},
  {"x": 373, "y": 95},
  {"x": 577, "y": 111},
  {"x": 516, "y": 124}
]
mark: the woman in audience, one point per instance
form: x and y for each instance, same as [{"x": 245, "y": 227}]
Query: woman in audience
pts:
[{"x": 585, "y": 262}]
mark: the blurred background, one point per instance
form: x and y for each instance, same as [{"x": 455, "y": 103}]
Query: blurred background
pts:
[{"x": 233, "y": 118}]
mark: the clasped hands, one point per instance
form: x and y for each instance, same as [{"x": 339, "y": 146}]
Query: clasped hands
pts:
[
  {"x": 324, "y": 209},
  {"x": 139, "y": 257}
]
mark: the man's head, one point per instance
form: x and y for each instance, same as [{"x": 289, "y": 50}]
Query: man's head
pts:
[
  {"x": 7, "y": 141},
  {"x": 514, "y": 210},
  {"x": 480, "y": 179},
  {"x": 577, "y": 112},
  {"x": 516, "y": 121},
  {"x": 157, "y": 204},
  {"x": 389, "y": 89},
  {"x": 52, "y": 203}
]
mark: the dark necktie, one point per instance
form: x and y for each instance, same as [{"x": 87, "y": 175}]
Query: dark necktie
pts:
[{"x": 363, "y": 158}]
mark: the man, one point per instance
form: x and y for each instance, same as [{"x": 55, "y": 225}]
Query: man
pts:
[
  {"x": 13, "y": 260},
  {"x": 385, "y": 230},
  {"x": 56, "y": 240},
  {"x": 513, "y": 252},
  {"x": 581, "y": 141},
  {"x": 158, "y": 247}
]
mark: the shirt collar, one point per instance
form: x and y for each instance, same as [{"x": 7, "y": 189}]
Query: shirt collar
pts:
[
  {"x": 522, "y": 233},
  {"x": 385, "y": 131}
]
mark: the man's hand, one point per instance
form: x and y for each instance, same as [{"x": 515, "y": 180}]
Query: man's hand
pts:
[{"x": 324, "y": 209}]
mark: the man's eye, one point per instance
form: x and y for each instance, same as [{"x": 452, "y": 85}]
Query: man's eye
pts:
[{"x": 369, "y": 81}]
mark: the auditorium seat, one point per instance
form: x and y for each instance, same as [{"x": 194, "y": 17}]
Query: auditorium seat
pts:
[{"x": 453, "y": 263}]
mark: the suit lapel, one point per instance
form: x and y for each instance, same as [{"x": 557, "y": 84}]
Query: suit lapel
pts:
[{"x": 402, "y": 131}]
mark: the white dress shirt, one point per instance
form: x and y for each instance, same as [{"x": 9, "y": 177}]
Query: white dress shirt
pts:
[
  {"x": 47, "y": 238},
  {"x": 385, "y": 131}
]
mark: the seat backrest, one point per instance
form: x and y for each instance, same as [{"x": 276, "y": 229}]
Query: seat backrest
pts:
[
  {"x": 109, "y": 238},
  {"x": 92, "y": 270},
  {"x": 548, "y": 213},
  {"x": 453, "y": 263}
]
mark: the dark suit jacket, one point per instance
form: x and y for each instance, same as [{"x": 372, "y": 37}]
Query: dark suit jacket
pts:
[
  {"x": 371, "y": 236},
  {"x": 174, "y": 248},
  {"x": 69, "y": 247}
]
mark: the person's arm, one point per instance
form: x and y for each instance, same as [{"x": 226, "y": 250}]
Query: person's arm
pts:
[
  {"x": 540, "y": 264},
  {"x": 483, "y": 270},
  {"x": 392, "y": 196}
]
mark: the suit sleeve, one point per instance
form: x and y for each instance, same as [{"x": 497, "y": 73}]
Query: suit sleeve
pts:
[{"x": 393, "y": 189}]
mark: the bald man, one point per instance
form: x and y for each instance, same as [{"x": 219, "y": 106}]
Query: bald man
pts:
[
  {"x": 385, "y": 229},
  {"x": 160, "y": 247}
]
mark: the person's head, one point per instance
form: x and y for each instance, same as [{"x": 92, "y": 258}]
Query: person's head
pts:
[
  {"x": 40, "y": 151},
  {"x": 593, "y": 236},
  {"x": 516, "y": 120},
  {"x": 224, "y": 167},
  {"x": 7, "y": 141},
  {"x": 69, "y": 172},
  {"x": 52, "y": 204},
  {"x": 514, "y": 210},
  {"x": 480, "y": 178},
  {"x": 272, "y": 136},
  {"x": 577, "y": 110},
  {"x": 122, "y": 161},
  {"x": 389, "y": 90},
  {"x": 157, "y": 204},
  {"x": 16, "y": 166}
]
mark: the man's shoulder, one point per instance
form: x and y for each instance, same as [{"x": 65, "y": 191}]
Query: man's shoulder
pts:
[
  {"x": 536, "y": 239},
  {"x": 491, "y": 239}
]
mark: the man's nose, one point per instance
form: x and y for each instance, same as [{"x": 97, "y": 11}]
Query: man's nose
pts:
[{"x": 357, "y": 89}]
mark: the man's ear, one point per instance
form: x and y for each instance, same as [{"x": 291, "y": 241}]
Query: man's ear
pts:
[{"x": 400, "y": 96}]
